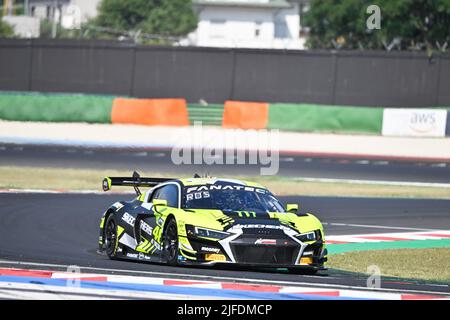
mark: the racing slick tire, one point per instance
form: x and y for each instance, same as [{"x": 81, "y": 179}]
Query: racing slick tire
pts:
[
  {"x": 170, "y": 242},
  {"x": 111, "y": 238}
]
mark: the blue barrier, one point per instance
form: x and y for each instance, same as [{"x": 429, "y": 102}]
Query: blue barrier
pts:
[{"x": 447, "y": 128}]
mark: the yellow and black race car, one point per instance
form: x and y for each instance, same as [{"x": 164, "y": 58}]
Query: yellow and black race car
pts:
[{"x": 210, "y": 221}]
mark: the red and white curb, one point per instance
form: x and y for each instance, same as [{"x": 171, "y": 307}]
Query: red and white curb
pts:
[
  {"x": 226, "y": 287},
  {"x": 389, "y": 237}
]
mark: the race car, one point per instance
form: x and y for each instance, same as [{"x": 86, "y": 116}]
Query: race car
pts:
[{"x": 209, "y": 221}]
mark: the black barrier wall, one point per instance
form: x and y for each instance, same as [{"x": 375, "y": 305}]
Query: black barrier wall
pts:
[{"x": 388, "y": 79}]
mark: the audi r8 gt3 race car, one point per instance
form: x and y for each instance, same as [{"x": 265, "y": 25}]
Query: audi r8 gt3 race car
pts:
[{"x": 209, "y": 221}]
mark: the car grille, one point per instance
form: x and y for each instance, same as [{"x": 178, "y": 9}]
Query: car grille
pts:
[{"x": 265, "y": 254}]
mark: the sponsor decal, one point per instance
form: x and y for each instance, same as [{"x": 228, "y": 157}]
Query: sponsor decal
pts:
[
  {"x": 139, "y": 256},
  {"x": 156, "y": 244},
  {"x": 157, "y": 233},
  {"x": 146, "y": 228},
  {"x": 209, "y": 249},
  {"x": 266, "y": 241},
  {"x": 197, "y": 195},
  {"x": 117, "y": 205},
  {"x": 414, "y": 122},
  {"x": 211, "y": 187},
  {"x": 128, "y": 218},
  {"x": 260, "y": 226},
  {"x": 143, "y": 256},
  {"x": 246, "y": 214}
]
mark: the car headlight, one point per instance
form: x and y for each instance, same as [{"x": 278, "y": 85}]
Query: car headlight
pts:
[
  {"x": 309, "y": 236},
  {"x": 206, "y": 233}
]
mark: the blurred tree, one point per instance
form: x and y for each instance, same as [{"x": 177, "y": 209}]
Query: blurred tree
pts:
[
  {"x": 405, "y": 24},
  {"x": 46, "y": 30},
  {"x": 6, "y": 31},
  {"x": 164, "y": 17}
]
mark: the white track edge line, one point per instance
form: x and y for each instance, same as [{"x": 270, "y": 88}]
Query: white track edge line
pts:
[{"x": 291, "y": 283}]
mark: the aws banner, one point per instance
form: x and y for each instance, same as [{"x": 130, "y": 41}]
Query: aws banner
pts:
[{"x": 414, "y": 122}]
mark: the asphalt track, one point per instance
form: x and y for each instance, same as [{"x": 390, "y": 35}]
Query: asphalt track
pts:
[
  {"x": 151, "y": 160},
  {"x": 63, "y": 229}
]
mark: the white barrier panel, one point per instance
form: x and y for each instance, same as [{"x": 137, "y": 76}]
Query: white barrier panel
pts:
[{"x": 414, "y": 122}]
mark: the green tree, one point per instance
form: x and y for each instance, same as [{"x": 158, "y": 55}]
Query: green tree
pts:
[
  {"x": 411, "y": 24},
  {"x": 6, "y": 31},
  {"x": 162, "y": 17}
]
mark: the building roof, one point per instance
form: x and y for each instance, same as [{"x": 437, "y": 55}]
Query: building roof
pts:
[
  {"x": 47, "y": 2},
  {"x": 275, "y": 4}
]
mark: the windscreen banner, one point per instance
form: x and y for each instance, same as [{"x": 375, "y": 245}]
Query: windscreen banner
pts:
[{"x": 414, "y": 122}]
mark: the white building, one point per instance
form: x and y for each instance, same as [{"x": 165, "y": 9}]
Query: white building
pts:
[
  {"x": 70, "y": 13},
  {"x": 248, "y": 24},
  {"x": 45, "y": 9},
  {"x": 24, "y": 26},
  {"x": 271, "y": 24}
]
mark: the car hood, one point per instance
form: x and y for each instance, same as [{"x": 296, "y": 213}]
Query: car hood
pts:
[{"x": 229, "y": 219}]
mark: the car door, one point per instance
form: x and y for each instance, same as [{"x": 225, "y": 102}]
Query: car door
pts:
[{"x": 150, "y": 226}]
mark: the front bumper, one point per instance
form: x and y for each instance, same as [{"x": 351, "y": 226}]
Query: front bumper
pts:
[{"x": 282, "y": 253}]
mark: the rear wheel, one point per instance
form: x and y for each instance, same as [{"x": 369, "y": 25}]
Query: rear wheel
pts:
[
  {"x": 170, "y": 242},
  {"x": 111, "y": 241}
]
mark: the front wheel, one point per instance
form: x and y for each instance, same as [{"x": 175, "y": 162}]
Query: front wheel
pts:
[
  {"x": 170, "y": 242},
  {"x": 111, "y": 240}
]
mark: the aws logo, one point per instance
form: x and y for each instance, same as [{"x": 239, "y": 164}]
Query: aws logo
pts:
[{"x": 422, "y": 122}]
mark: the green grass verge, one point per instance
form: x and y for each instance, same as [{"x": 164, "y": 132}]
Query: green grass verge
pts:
[
  {"x": 431, "y": 264},
  {"x": 14, "y": 177},
  {"x": 364, "y": 246}
]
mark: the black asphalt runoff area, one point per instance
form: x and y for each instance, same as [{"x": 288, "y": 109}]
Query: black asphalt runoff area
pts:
[
  {"x": 159, "y": 160},
  {"x": 63, "y": 229}
]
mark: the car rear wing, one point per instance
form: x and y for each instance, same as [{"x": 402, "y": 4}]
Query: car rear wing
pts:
[{"x": 135, "y": 181}]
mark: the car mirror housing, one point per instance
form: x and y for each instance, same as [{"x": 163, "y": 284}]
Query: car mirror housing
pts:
[
  {"x": 292, "y": 207},
  {"x": 159, "y": 202}
]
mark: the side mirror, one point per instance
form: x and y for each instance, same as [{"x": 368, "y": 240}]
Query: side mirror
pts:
[
  {"x": 159, "y": 202},
  {"x": 292, "y": 207}
]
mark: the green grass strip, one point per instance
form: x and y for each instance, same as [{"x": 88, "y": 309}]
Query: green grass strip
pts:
[{"x": 413, "y": 244}]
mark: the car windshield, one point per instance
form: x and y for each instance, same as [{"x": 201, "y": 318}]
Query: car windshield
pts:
[{"x": 230, "y": 197}]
